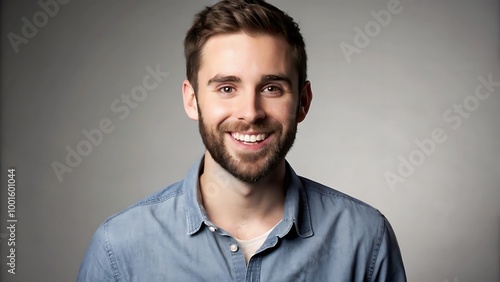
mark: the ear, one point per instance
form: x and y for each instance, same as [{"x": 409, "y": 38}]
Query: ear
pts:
[
  {"x": 305, "y": 99},
  {"x": 189, "y": 99}
]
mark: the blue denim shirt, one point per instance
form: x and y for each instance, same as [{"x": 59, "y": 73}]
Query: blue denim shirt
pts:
[{"x": 324, "y": 235}]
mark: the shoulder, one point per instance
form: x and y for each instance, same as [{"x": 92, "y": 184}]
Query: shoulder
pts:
[
  {"x": 324, "y": 199},
  {"x": 129, "y": 231},
  {"x": 124, "y": 235},
  {"x": 314, "y": 188},
  {"x": 147, "y": 212},
  {"x": 353, "y": 229},
  {"x": 172, "y": 191},
  {"x": 337, "y": 215}
]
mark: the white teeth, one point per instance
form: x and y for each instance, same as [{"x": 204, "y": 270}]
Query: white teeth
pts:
[{"x": 249, "y": 138}]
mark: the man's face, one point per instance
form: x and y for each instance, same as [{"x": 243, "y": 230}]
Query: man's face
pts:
[{"x": 247, "y": 103}]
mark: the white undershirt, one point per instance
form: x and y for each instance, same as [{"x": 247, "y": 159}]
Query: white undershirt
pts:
[{"x": 249, "y": 247}]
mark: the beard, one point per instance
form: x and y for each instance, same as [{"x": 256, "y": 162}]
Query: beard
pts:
[{"x": 249, "y": 167}]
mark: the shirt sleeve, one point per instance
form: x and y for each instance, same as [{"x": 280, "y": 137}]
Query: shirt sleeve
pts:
[
  {"x": 97, "y": 264},
  {"x": 387, "y": 263}
]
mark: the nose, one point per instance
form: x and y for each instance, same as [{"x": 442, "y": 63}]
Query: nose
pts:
[{"x": 249, "y": 107}]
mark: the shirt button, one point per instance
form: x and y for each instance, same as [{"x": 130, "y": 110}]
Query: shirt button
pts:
[
  {"x": 211, "y": 228},
  {"x": 234, "y": 248}
]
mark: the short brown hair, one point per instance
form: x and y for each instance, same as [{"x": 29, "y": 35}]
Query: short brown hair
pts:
[{"x": 253, "y": 16}]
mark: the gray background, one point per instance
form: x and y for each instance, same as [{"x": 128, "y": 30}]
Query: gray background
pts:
[{"x": 365, "y": 114}]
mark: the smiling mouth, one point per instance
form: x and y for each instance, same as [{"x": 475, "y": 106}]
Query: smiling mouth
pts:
[{"x": 249, "y": 138}]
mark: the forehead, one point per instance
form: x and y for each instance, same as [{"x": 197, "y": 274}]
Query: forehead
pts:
[{"x": 245, "y": 55}]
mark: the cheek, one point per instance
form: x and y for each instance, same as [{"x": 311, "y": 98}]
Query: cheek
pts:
[
  {"x": 215, "y": 112},
  {"x": 286, "y": 112}
]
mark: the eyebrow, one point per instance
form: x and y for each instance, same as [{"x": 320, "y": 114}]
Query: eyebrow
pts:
[
  {"x": 223, "y": 78},
  {"x": 278, "y": 77},
  {"x": 264, "y": 78}
]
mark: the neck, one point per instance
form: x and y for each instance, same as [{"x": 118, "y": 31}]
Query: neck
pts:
[{"x": 245, "y": 210}]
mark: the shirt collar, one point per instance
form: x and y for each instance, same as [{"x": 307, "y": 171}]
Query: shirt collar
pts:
[
  {"x": 296, "y": 212},
  {"x": 195, "y": 213}
]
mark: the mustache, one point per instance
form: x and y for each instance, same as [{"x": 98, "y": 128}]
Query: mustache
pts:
[{"x": 245, "y": 126}]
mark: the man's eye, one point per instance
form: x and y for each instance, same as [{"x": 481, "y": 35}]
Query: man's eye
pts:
[
  {"x": 272, "y": 89},
  {"x": 226, "y": 89}
]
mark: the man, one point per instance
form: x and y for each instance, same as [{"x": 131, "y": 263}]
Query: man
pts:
[{"x": 242, "y": 214}]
